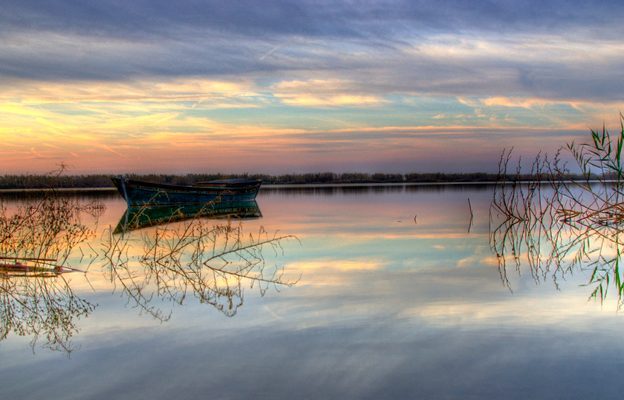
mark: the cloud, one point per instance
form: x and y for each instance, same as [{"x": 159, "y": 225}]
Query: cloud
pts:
[
  {"x": 207, "y": 92},
  {"x": 312, "y": 18},
  {"x": 323, "y": 93},
  {"x": 448, "y": 48},
  {"x": 290, "y": 125}
]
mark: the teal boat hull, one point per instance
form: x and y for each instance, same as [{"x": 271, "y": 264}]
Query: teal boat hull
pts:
[{"x": 140, "y": 193}]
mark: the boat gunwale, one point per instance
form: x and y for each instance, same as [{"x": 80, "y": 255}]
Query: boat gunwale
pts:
[{"x": 219, "y": 187}]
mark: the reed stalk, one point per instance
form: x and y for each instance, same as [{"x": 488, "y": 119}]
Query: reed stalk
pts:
[{"x": 557, "y": 226}]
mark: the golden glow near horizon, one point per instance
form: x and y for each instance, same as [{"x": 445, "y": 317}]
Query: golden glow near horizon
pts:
[{"x": 174, "y": 126}]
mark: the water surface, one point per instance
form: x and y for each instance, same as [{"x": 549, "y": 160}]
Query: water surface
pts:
[{"x": 380, "y": 293}]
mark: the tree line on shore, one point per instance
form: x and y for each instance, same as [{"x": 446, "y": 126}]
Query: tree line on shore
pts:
[{"x": 104, "y": 181}]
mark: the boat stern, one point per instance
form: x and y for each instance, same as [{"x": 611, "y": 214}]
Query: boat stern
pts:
[{"x": 120, "y": 184}]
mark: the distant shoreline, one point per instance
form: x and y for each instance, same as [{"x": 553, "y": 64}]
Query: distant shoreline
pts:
[
  {"x": 299, "y": 186},
  {"x": 264, "y": 186},
  {"x": 325, "y": 179}
]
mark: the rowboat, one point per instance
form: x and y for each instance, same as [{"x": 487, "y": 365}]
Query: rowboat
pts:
[
  {"x": 140, "y": 193},
  {"x": 146, "y": 216}
]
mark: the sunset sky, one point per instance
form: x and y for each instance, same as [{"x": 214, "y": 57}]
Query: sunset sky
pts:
[{"x": 275, "y": 86}]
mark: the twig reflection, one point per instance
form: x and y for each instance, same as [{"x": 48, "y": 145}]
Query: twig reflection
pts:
[
  {"x": 42, "y": 306},
  {"x": 211, "y": 261},
  {"x": 36, "y": 242}
]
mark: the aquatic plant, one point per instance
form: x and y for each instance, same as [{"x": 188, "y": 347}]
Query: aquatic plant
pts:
[{"x": 557, "y": 225}]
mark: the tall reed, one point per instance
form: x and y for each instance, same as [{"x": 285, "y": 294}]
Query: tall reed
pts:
[{"x": 556, "y": 225}]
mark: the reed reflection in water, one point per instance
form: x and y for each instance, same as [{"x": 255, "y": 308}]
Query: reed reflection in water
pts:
[{"x": 557, "y": 227}]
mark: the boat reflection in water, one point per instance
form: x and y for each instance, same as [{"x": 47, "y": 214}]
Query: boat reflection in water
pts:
[
  {"x": 192, "y": 252},
  {"x": 137, "y": 217}
]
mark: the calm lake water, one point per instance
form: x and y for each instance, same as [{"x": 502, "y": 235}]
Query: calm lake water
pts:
[{"x": 369, "y": 293}]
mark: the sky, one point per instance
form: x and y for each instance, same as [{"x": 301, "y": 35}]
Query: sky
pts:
[{"x": 112, "y": 86}]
